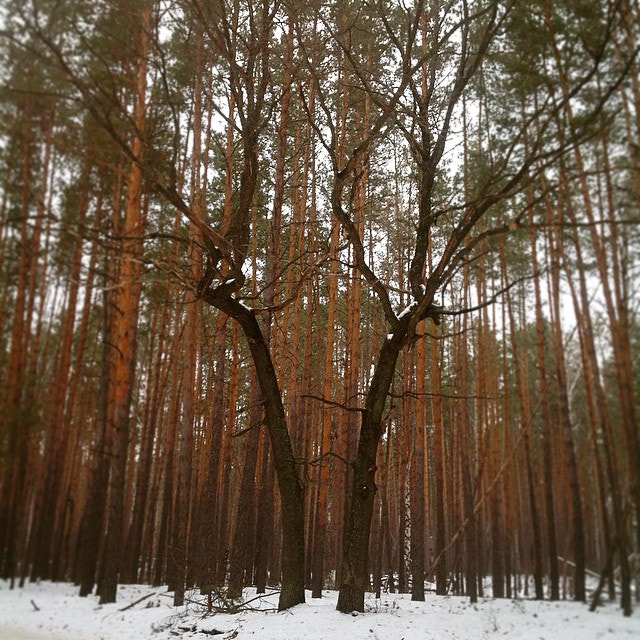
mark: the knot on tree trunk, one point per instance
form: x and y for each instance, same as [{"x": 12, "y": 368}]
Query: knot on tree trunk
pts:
[{"x": 365, "y": 489}]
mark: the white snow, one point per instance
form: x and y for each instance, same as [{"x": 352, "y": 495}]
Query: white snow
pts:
[
  {"x": 407, "y": 309},
  {"x": 63, "y": 615}
]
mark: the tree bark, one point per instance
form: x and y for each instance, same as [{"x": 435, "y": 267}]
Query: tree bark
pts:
[
  {"x": 126, "y": 323},
  {"x": 363, "y": 489}
]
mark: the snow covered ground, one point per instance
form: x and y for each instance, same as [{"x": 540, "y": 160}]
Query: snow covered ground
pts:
[{"x": 49, "y": 611}]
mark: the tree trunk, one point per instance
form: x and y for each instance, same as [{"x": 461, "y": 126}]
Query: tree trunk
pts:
[
  {"x": 441, "y": 569},
  {"x": 416, "y": 475},
  {"x": 579, "y": 542},
  {"x": 290, "y": 487},
  {"x": 358, "y": 526},
  {"x": 327, "y": 464},
  {"x": 243, "y": 543},
  {"x": 126, "y": 323},
  {"x": 547, "y": 445}
]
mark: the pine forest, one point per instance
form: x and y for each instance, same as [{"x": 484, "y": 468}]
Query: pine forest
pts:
[{"x": 334, "y": 294}]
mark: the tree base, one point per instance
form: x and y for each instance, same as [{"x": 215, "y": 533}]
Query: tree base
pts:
[{"x": 350, "y": 599}]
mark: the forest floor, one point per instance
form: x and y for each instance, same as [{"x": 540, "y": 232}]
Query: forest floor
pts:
[{"x": 47, "y": 611}]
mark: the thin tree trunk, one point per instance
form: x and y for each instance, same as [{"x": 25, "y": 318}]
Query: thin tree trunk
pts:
[
  {"x": 126, "y": 322},
  {"x": 416, "y": 474},
  {"x": 599, "y": 403},
  {"x": 190, "y": 342},
  {"x": 552, "y": 544},
  {"x": 441, "y": 569},
  {"x": 525, "y": 422},
  {"x": 578, "y": 525}
]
